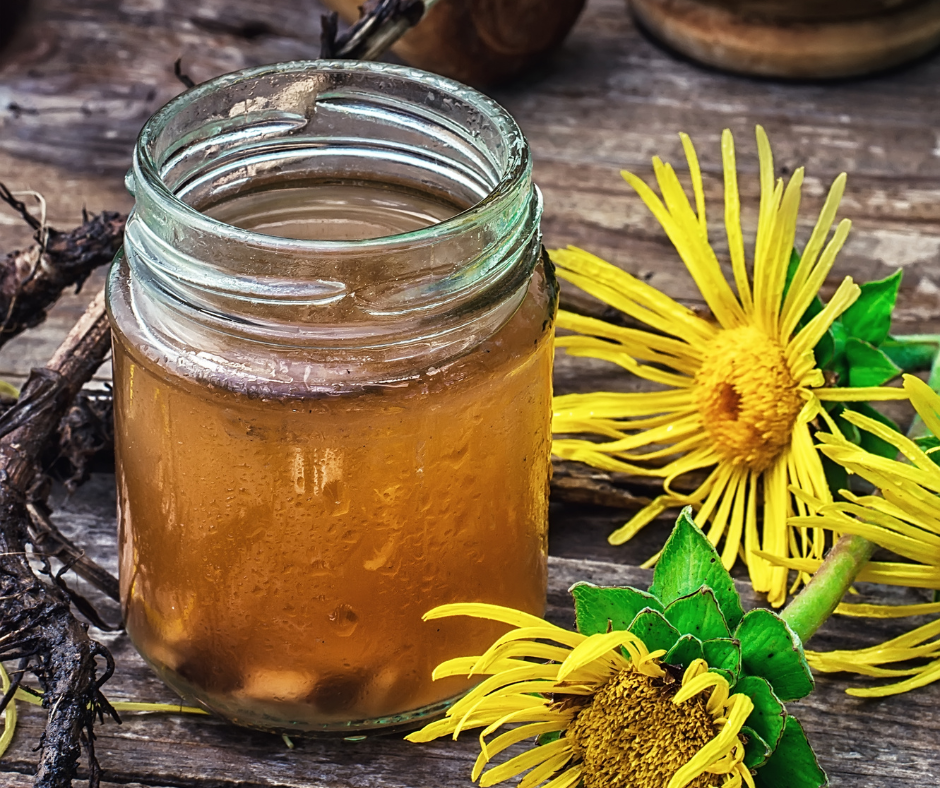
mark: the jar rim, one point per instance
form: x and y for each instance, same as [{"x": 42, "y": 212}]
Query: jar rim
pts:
[{"x": 517, "y": 166}]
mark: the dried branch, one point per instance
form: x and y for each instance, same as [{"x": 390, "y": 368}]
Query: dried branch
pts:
[
  {"x": 86, "y": 438},
  {"x": 381, "y": 23},
  {"x": 32, "y": 280},
  {"x": 36, "y": 621},
  {"x": 51, "y": 543},
  {"x": 187, "y": 80}
]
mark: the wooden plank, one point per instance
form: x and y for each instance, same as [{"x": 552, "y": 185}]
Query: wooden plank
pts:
[
  {"x": 890, "y": 742},
  {"x": 610, "y": 99}
]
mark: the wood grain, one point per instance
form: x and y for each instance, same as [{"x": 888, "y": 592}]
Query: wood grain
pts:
[
  {"x": 79, "y": 79},
  {"x": 892, "y": 742}
]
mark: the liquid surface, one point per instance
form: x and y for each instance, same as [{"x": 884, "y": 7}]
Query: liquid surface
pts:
[
  {"x": 334, "y": 211},
  {"x": 277, "y": 554}
]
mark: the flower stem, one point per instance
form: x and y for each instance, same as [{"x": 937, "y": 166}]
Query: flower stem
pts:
[{"x": 814, "y": 604}]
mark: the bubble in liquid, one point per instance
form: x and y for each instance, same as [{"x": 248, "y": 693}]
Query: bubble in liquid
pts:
[{"x": 344, "y": 620}]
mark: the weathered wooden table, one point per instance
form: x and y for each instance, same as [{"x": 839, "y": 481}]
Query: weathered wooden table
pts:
[{"x": 79, "y": 79}]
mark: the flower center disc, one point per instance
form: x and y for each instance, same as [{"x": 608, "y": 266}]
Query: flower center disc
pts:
[
  {"x": 633, "y": 735},
  {"x": 748, "y": 398}
]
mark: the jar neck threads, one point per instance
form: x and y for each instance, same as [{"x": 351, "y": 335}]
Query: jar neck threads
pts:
[{"x": 427, "y": 294}]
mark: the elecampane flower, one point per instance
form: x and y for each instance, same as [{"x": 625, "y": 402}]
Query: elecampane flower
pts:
[
  {"x": 608, "y": 712},
  {"x": 904, "y": 518},
  {"x": 735, "y": 394}
]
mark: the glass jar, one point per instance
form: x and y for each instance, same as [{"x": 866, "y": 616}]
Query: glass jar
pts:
[{"x": 332, "y": 383}]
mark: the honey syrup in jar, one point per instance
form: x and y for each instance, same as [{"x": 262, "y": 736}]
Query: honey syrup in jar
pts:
[{"x": 332, "y": 366}]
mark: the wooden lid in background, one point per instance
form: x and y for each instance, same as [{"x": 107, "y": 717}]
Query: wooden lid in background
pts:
[{"x": 797, "y": 39}]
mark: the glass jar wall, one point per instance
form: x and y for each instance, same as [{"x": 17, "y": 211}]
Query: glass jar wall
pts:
[{"x": 332, "y": 375}]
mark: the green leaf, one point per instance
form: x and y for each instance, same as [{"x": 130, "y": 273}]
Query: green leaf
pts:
[
  {"x": 872, "y": 443},
  {"x": 687, "y": 649},
  {"x": 825, "y": 350},
  {"x": 793, "y": 764},
  {"x": 869, "y": 318},
  {"x": 597, "y": 608},
  {"x": 723, "y": 654},
  {"x": 868, "y": 366},
  {"x": 910, "y": 356},
  {"x": 768, "y": 717},
  {"x": 548, "y": 738},
  {"x": 9, "y": 390},
  {"x": 931, "y": 445},
  {"x": 698, "y": 614},
  {"x": 837, "y": 477},
  {"x": 688, "y": 562},
  {"x": 756, "y": 750},
  {"x": 849, "y": 431},
  {"x": 792, "y": 265},
  {"x": 651, "y": 627},
  {"x": 839, "y": 364},
  {"x": 727, "y": 675},
  {"x": 769, "y": 648}
]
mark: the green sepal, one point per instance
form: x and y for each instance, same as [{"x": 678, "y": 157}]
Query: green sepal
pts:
[
  {"x": 872, "y": 443},
  {"x": 768, "y": 717},
  {"x": 793, "y": 764},
  {"x": 869, "y": 318},
  {"x": 8, "y": 390},
  {"x": 756, "y": 750},
  {"x": 868, "y": 366},
  {"x": 769, "y": 648},
  {"x": 910, "y": 356},
  {"x": 723, "y": 654},
  {"x": 597, "y": 608},
  {"x": 687, "y": 649},
  {"x": 547, "y": 738},
  {"x": 698, "y": 614},
  {"x": 688, "y": 562},
  {"x": 654, "y": 630}
]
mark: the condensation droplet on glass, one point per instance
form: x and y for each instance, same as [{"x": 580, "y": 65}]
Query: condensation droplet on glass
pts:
[{"x": 344, "y": 620}]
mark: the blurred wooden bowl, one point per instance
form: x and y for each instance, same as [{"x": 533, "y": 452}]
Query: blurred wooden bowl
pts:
[
  {"x": 480, "y": 42},
  {"x": 795, "y": 38}
]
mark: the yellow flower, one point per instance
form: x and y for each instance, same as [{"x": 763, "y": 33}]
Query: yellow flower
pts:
[
  {"x": 609, "y": 719},
  {"x": 905, "y": 519},
  {"x": 735, "y": 395}
]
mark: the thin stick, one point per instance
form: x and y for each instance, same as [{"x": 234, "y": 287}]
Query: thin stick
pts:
[{"x": 35, "y": 616}]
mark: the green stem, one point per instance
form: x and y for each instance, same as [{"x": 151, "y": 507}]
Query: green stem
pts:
[
  {"x": 814, "y": 604},
  {"x": 912, "y": 352}
]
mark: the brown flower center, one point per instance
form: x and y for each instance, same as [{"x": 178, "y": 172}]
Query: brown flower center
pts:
[
  {"x": 633, "y": 736},
  {"x": 748, "y": 398}
]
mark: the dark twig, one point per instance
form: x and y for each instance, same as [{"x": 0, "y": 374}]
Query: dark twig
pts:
[
  {"x": 32, "y": 280},
  {"x": 381, "y": 23},
  {"x": 48, "y": 540},
  {"x": 86, "y": 438},
  {"x": 17, "y": 205},
  {"x": 36, "y": 621},
  {"x": 86, "y": 434},
  {"x": 178, "y": 73}
]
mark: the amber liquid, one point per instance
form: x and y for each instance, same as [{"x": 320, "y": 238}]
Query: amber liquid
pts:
[{"x": 277, "y": 554}]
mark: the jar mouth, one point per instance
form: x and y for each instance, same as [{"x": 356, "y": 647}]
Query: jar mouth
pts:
[{"x": 153, "y": 155}]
